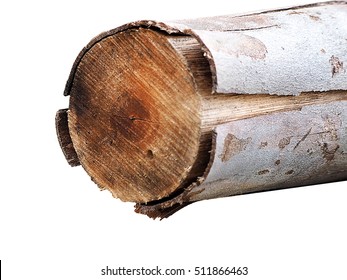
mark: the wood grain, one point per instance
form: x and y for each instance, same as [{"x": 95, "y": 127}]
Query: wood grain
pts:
[{"x": 134, "y": 116}]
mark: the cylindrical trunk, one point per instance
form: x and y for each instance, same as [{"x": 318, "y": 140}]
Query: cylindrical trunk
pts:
[{"x": 167, "y": 114}]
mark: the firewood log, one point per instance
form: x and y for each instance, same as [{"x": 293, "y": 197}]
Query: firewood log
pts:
[{"x": 166, "y": 114}]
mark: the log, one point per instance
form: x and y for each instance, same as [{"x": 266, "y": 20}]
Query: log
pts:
[{"x": 166, "y": 114}]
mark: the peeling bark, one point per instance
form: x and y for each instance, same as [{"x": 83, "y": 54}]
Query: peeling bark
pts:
[
  {"x": 168, "y": 114},
  {"x": 293, "y": 155},
  {"x": 64, "y": 137}
]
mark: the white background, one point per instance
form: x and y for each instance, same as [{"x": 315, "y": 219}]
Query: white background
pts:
[{"x": 56, "y": 224}]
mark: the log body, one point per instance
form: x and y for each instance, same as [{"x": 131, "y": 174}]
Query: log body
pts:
[
  {"x": 268, "y": 152},
  {"x": 280, "y": 150},
  {"x": 167, "y": 114}
]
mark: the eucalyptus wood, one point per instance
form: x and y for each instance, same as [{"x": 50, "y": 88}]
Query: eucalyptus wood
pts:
[{"x": 167, "y": 114}]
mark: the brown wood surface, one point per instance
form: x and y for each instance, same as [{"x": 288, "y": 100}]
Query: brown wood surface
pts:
[{"x": 134, "y": 116}]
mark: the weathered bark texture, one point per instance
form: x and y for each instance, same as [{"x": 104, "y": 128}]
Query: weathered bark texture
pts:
[
  {"x": 64, "y": 138},
  {"x": 280, "y": 150},
  {"x": 168, "y": 114}
]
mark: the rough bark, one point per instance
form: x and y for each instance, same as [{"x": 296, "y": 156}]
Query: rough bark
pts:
[
  {"x": 167, "y": 114},
  {"x": 64, "y": 138}
]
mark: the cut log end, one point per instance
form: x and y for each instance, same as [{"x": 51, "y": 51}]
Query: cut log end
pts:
[{"x": 134, "y": 116}]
